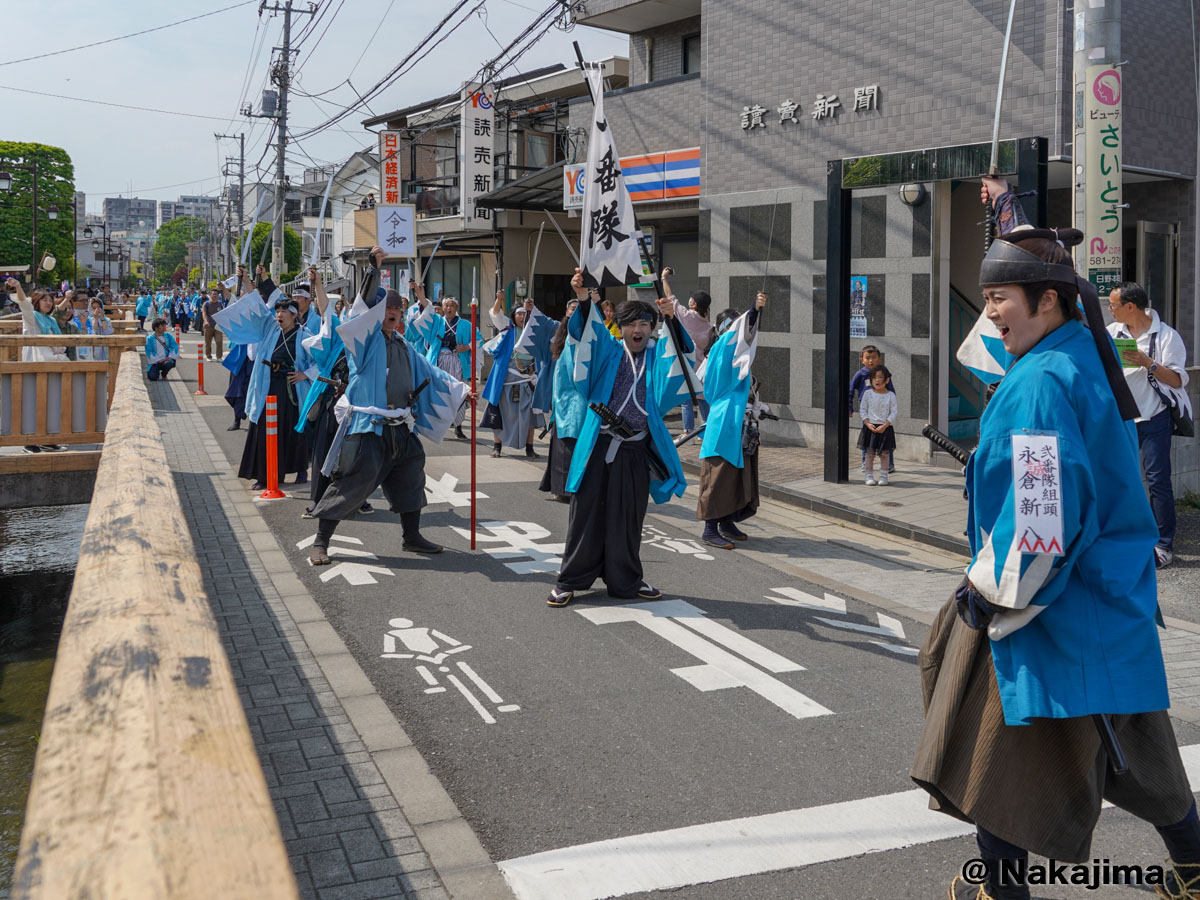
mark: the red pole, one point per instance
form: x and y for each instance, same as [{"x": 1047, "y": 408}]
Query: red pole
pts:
[
  {"x": 272, "y": 421},
  {"x": 200, "y": 357},
  {"x": 474, "y": 341},
  {"x": 178, "y": 338}
]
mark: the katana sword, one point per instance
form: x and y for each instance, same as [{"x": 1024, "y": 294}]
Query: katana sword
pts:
[{"x": 989, "y": 233}]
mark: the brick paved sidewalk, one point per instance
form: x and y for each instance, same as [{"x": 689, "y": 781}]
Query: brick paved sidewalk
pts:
[{"x": 334, "y": 757}]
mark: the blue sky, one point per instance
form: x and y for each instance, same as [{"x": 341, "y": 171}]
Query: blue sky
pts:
[{"x": 200, "y": 67}]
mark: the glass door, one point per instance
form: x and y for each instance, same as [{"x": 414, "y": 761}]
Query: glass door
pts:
[{"x": 1157, "y": 265}]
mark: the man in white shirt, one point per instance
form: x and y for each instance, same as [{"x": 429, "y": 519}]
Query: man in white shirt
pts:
[{"x": 1157, "y": 376}]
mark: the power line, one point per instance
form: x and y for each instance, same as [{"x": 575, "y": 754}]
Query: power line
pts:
[
  {"x": 167, "y": 112},
  {"x": 363, "y": 56},
  {"x": 383, "y": 82},
  {"x": 161, "y": 187},
  {"x": 11, "y": 62}
]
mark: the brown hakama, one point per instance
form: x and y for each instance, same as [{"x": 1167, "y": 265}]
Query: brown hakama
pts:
[
  {"x": 727, "y": 491},
  {"x": 1038, "y": 786}
]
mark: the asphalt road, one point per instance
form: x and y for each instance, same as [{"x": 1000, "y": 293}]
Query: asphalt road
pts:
[{"x": 746, "y": 694}]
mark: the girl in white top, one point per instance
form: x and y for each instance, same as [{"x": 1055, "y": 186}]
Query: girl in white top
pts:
[{"x": 879, "y": 410}]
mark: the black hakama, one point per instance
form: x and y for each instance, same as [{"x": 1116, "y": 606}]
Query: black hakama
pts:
[
  {"x": 394, "y": 461},
  {"x": 604, "y": 529},
  {"x": 239, "y": 384},
  {"x": 292, "y": 446},
  {"x": 558, "y": 466}
]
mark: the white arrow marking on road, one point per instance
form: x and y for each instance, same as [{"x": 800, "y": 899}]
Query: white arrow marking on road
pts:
[
  {"x": 355, "y": 573},
  {"x": 519, "y": 539},
  {"x": 443, "y": 491},
  {"x": 897, "y": 648},
  {"x": 700, "y": 854},
  {"x": 793, "y": 597},
  {"x": 888, "y": 627},
  {"x": 720, "y": 669},
  {"x": 308, "y": 541}
]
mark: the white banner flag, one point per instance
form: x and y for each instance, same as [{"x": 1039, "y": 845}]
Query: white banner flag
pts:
[{"x": 608, "y": 253}]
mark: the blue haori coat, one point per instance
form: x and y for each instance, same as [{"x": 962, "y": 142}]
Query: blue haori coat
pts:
[
  {"x": 250, "y": 321},
  {"x": 597, "y": 358},
  {"x": 154, "y": 353},
  {"x": 366, "y": 356},
  {"x": 325, "y": 346},
  {"x": 426, "y": 330},
  {"x": 726, "y": 373},
  {"x": 1080, "y": 634},
  {"x": 570, "y": 406}
]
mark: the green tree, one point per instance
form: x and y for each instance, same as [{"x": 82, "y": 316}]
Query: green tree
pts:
[
  {"x": 194, "y": 275},
  {"x": 55, "y": 187},
  {"x": 292, "y": 249},
  {"x": 170, "y": 246}
]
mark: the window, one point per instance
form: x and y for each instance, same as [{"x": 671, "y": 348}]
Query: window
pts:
[{"x": 691, "y": 54}]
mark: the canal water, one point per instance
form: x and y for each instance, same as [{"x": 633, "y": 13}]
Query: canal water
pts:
[{"x": 39, "y": 549}]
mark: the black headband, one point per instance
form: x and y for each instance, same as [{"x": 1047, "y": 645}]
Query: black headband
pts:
[{"x": 1006, "y": 263}]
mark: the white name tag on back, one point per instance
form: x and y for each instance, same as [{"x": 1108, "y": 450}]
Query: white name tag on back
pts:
[{"x": 1037, "y": 493}]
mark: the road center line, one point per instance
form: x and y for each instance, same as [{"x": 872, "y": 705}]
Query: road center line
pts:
[{"x": 699, "y": 854}]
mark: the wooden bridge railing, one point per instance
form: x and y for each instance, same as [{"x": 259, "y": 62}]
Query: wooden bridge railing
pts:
[
  {"x": 120, "y": 326},
  {"x": 58, "y": 402},
  {"x": 146, "y": 782}
]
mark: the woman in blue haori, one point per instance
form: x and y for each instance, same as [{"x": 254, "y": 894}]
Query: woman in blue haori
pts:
[
  {"x": 144, "y": 304},
  {"x": 446, "y": 339},
  {"x": 1052, "y": 631},
  {"x": 97, "y": 323},
  {"x": 282, "y": 368},
  {"x": 567, "y": 412},
  {"x": 394, "y": 395},
  {"x": 610, "y": 478},
  {"x": 162, "y": 352},
  {"x": 729, "y": 455},
  {"x": 510, "y": 386}
]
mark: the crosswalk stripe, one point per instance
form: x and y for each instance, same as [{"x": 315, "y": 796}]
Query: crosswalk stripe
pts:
[{"x": 699, "y": 854}]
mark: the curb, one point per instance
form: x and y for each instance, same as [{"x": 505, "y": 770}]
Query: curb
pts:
[
  {"x": 893, "y": 527},
  {"x": 454, "y": 851}
]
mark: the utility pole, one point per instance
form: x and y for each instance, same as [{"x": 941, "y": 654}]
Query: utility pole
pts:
[
  {"x": 281, "y": 76},
  {"x": 241, "y": 177},
  {"x": 1098, "y": 142}
]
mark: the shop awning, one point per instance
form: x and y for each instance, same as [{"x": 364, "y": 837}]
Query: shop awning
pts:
[{"x": 537, "y": 191}]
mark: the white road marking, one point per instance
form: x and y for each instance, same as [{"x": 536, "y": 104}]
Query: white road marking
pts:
[
  {"x": 519, "y": 539},
  {"x": 897, "y": 648},
  {"x": 479, "y": 707},
  {"x": 308, "y": 541},
  {"x": 793, "y": 597},
  {"x": 743, "y": 646},
  {"x": 720, "y": 669},
  {"x": 700, "y": 854},
  {"x": 481, "y": 684},
  {"x": 355, "y": 573},
  {"x": 443, "y": 490},
  {"x": 888, "y": 627}
]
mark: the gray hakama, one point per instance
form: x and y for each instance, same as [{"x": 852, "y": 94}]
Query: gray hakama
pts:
[
  {"x": 394, "y": 460},
  {"x": 516, "y": 406}
]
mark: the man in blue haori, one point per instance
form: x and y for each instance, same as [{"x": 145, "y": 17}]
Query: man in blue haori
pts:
[
  {"x": 281, "y": 367},
  {"x": 610, "y": 478},
  {"x": 729, "y": 455},
  {"x": 394, "y": 395},
  {"x": 1050, "y": 645}
]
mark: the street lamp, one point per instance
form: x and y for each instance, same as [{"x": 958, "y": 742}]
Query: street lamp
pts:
[{"x": 6, "y": 183}]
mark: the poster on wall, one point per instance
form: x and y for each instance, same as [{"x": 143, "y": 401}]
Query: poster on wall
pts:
[{"x": 858, "y": 306}]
